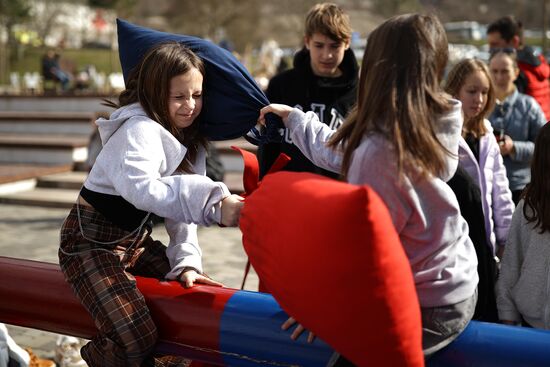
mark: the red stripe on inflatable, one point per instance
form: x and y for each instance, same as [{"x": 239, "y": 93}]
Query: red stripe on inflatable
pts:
[{"x": 34, "y": 294}]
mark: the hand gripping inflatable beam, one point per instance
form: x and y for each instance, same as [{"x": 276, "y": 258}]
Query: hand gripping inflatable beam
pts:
[{"x": 235, "y": 328}]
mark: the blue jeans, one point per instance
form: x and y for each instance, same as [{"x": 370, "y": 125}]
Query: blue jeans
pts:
[{"x": 63, "y": 78}]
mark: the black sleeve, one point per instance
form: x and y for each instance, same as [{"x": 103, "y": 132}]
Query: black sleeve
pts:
[
  {"x": 268, "y": 153},
  {"x": 521, "y": 82}
]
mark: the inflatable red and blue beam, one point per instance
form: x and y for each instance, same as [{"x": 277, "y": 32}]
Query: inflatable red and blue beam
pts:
[
  {"x": 228, "y": 327},
  {"x": 220, "y": 326}
]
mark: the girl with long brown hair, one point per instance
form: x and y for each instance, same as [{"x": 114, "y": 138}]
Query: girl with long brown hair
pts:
[
  {"x": 402, "y": 140},
  {"x": 152, "y": 162}
]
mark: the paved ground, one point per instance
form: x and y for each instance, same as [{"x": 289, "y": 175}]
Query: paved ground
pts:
[{"x": 32, "y": 233}]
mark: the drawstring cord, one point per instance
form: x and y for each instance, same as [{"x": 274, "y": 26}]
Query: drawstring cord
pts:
[{"x": 136, "y": 233}]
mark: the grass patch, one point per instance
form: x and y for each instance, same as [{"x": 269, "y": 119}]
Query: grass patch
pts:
[{"x": 104, "y": 60}]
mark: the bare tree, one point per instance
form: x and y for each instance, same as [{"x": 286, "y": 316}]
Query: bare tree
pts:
[
  {"x": 215, "y": 19},
  {"x": 12, "y": 12},
  {"x": 389, "y": 8},
  {"x": 45, "y": 17}
]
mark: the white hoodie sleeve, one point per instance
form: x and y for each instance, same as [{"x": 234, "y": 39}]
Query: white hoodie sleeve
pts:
[
  {"x": 183, "y": 249},
  {"x": 141, "y": 176},
  {"x": 311, "y": 136}
]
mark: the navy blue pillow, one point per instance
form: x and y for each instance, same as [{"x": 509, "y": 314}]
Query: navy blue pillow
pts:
[{"x": 232, "y": 99}]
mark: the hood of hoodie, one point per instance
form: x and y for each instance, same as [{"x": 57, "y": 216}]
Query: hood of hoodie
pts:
[
  {"x": 534, "y": 63},
  {"x": 107, "y": 127},
  {"x": 349, "y": 66}
]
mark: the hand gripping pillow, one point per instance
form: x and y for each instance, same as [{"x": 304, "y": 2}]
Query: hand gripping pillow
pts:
[
  {"x": 232, "y": 99},
  {"x": 329, "y": 254}
]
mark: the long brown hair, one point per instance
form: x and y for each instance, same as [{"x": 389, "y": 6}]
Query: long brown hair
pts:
[
  {"x": 455, "y": 81},
  {"x": 537, "y": 193},
  {"x": 149, "y": 84},
  {"x": 399, "y": 93}
]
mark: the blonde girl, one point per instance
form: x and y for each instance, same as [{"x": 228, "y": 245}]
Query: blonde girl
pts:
[{"x": 470, "y": 82}]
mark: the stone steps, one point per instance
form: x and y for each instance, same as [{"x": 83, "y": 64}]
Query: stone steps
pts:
[
  {"x": 45, "y": 197},
  {"x": 23, "y": 177},
  {"x": 17, "y": 172},
  {"x": 45, "y": 122},
  {"x": 45, "y": 137},
  {"x": 69, "y": 103},
  {"x": 46, "y": 149}
]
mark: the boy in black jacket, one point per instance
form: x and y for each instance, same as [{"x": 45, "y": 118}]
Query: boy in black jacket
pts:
[{"x": 323, "y": 80}]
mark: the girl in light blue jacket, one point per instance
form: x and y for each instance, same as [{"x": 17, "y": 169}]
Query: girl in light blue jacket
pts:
[
  {"x": 519, "y": 118},
  {"x": 479, "y": 152}
]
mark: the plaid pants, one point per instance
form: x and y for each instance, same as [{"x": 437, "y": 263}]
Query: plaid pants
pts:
[{"x": 102, "y": 277}]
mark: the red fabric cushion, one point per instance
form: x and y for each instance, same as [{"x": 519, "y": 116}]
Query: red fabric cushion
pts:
[{"x": 329, "y": 254}]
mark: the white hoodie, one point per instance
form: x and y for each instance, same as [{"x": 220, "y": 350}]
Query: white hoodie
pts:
[{"x": 138, "y": 162}]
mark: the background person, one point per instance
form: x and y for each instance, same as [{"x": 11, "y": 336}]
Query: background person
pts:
[
  {"x": 470, "y": 82},
  {"x": 507, "y": 32},
  {"x": 323, "y": 80},
  {"x": 488, "y": 217},
  {"x": 52, "y": 71},
  {"x": 522, "y": 287},
  {"x": 517, "y": 117}
]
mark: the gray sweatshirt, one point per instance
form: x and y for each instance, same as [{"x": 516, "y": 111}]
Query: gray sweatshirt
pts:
[
  {"x": 523, "y": 286},
  {"x": 138, "y": 162},
  {"x": 425, "y": 212}
]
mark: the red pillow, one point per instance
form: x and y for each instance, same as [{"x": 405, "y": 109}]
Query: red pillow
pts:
[{"x": 329, "y": 254}]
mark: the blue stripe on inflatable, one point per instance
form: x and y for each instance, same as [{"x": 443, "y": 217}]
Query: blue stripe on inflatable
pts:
[
  {"x": 251, "y": 335},
  {"x": 493, "y": 345}
]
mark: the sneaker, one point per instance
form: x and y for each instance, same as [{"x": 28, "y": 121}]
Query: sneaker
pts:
[
  {"x": 67, "y": 352},
  {"x": 39, "y": 362},
  {"x": 10, "y": 352}
]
